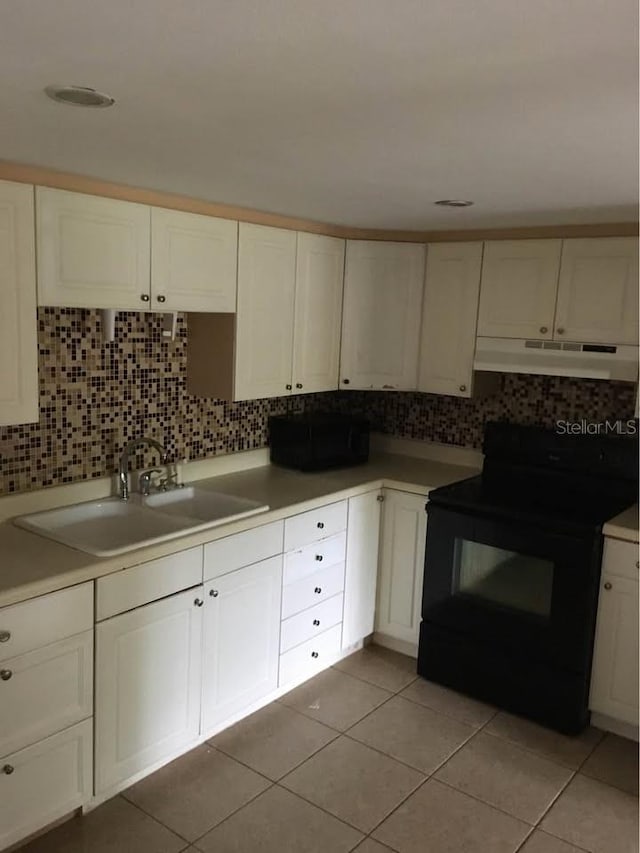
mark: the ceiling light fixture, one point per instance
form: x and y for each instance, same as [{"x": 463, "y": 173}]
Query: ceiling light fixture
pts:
[
  {"x": 79, "y": 96},
  {"x": 453, "y": 202}
]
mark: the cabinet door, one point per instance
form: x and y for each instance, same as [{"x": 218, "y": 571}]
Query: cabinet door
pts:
[
  {"x": 361, "y": 573},
  {"x": 264, "y": 332},
  {"x": 381, "y": 318},
  {"x": 193, "y": 262},
  {"x": 404, "y": 531},
  {"x": 598, "y": 291},
  {"x": 148, "y": 684},
  {"x": 518, "y": 288},
  {"x": 241, "y": 639},
  {"x": 614, "y": 676},
  {"x": 45, "y": 782},
  {"x": 449, "y": 317},
  {"x": 92, "y": 252},
  {"x": 18, "y": 322},
  {"x": 318, "y": 313}
]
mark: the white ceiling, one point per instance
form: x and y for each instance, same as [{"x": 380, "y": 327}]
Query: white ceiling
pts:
[{"x": 359, "y": 112}]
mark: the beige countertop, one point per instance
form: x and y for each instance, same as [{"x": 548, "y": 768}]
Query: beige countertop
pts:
[
  {"x": 624, "y": 526},
  {"x": 31, "y": 565}
]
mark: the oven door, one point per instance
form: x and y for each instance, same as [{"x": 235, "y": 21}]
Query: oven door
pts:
[{"x": 524, "y": 588}]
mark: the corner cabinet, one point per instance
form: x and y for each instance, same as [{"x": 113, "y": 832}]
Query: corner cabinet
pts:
[
  {"x": 449, "y": 317},
  {"x": 614, "y": 675},
  {"x": 381, "y": 315},
  {"x": 18, "y": 321},
  {"x": 93, "y": 252},
  {"x": 401, "y": 570},
  {"x": 361, "y": 567}
]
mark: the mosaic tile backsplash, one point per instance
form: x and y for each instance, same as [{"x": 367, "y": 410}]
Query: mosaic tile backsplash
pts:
[{"x": 96, "y": 396}]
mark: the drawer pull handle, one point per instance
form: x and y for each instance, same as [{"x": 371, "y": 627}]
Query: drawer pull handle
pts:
[
  {"x": 198, "y": 602},
  {"x": 8, "y": 769},
  {"x": 318, "y": 590},
  {"x": 314, "y": 654},
  {"x": 5, "y": 674},
  {"x": 607, "y": 585},
  {"x": 320, "y": 525},
  {"x": 214, "y": 593},
  {"x": 319, "y": 557},
  {"x": 316, "y": 622},
  {"x": 5, "y": 636}
]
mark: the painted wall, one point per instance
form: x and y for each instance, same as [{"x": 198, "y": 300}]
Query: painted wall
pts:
[{"x": 95, "y": 396}]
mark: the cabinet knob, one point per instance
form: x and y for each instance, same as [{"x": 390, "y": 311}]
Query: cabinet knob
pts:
[
  {"x": 319, "y": 557},
  {"x": 380, "y": 499},
  {"x": 318, "y": 590},
  {"x": 144, "y": 297},
  {"x": 5, "y": 636},
  {"x": 298, "y": 384},
  {"x": 8, "y": 769},
  {"x": 314, "y": 654},
  {"x": 288, "y": 387},
  {"x": 316, "y": 622},
  {"x": 607, "y": 585},
  {"x": 198, "y": 602},
  {"x": 320, "y": 525},
  {"x": 345, "y": 381},
  {"x": 213, "y": 593},
  {"x": 544, "y": 330},
  {"x": 161, "y": 298},
  {"x": 5, "y": 674},
  {"x": 560, "y": 330},
  {"x": 463, "y": 387}
]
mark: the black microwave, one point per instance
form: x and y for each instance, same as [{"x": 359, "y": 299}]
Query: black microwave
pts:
[{"x": 317, "y": 441}]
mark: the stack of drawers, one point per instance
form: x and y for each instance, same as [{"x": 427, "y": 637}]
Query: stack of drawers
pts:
[
  {"x": 313, "y": 591},
  {"x": 46, "y": 704}
]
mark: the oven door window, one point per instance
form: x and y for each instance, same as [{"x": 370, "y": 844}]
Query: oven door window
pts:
[{"x": 504, "y": 578}]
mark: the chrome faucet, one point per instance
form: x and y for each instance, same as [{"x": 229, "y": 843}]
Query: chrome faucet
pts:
[{"x": 123, "y": 475}]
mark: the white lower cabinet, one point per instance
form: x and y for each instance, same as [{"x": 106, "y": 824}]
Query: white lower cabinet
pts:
[
  {"x": 361, "y": 568},
  {"x": 44, "y": 782},
  {"x": 316, "y": 654},
  {"x": 148, "y": 685},
  {"x": 402, "y": 544},
  {"x": 614, "y": 675},
  {"x": 241, "y": 636}
]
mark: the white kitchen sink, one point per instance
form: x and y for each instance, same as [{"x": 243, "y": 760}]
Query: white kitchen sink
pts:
[{"x": 112, "y": 526}]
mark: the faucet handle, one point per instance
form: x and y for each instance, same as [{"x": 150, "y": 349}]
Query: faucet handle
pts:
[{"x": 144, "y": 481}]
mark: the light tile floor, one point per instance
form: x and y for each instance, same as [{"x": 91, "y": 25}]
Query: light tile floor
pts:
[{"x": 367, "y": 758}]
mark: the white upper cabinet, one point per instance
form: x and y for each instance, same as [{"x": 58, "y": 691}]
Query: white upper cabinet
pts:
[
  {"x": 318, "y": 313},
  {"x": 449, "y": 317},
  {"x": 381, "y": 318},
  {"x": 18, "y": 322},
  {"x": 264, "y": 332},
  {"x": 518, "y": 288},
  {"x": 92, "y": 252},
  {"x": 598, "y": 291},
  {"x": 194, "y": 261}
]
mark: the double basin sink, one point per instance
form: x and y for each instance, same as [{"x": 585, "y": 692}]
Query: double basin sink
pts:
[{"x": 112, "y": 526}]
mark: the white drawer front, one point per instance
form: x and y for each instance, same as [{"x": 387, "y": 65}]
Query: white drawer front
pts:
[
  {"x": 308, "y": 624},
  {"x": 316, "y": 524},
  {"x": 310, "y": 657},
  {"x": 242, "y": 549},
  {"x": 621, "y": 558},
  {"x": 305, "y": 561},
  {"x": 312, "y": 590},
  {"x": 147, "y": 582},
  {"x": 46, "y": 781},
  {"x": 45, "y": 620},
  {"x": 44, "y": 691}
]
